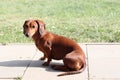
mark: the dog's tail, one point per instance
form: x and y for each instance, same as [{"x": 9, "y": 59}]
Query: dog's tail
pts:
[{"x": 74, "y": 72}]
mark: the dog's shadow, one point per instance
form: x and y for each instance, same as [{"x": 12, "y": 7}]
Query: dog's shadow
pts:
[{"x": 29, "y": 63}]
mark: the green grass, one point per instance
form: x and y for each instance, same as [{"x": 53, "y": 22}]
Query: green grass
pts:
[{"x": 80, "y": 20}]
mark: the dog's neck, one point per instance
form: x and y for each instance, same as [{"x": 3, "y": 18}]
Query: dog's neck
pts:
[{"x": 37, "y": 36}]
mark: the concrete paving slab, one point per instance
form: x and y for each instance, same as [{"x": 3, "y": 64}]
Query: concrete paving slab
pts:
[
  {"x": 14, "y": 59},
  {"x": 104, "y": 62},
  {"x": 38, "y": 72}
]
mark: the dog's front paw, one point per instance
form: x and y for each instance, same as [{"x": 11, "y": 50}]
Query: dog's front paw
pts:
[
  {"x": 42, "y": 58},
  {"x": 45, "y": 64}
]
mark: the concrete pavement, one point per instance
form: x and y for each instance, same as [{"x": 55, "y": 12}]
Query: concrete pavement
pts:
[{"x": 21, "y": 62}]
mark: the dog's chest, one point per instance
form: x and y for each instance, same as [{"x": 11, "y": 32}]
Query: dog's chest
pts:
[{"x": 39, "y": 46}]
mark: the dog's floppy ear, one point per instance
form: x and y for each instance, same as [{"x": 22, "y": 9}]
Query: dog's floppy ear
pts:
[
  {"x": 41, "y": 26},
  {"x": 25, "y": 23}
]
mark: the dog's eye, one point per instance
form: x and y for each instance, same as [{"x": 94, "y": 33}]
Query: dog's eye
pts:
[{"x": 33, "y": 26}]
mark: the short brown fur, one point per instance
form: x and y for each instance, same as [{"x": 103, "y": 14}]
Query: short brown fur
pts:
[{"x": 56, "y": 47}]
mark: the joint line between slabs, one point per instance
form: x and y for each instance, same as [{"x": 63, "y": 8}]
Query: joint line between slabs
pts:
[
  {"x": 88, "y": 72},
  {"x": 29, "y": 63}
]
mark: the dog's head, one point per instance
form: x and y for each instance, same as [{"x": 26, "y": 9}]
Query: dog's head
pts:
[{"x": 31, "y": 27}]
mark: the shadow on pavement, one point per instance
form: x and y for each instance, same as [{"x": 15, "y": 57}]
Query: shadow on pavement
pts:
[{"x": 28, "y": 63}]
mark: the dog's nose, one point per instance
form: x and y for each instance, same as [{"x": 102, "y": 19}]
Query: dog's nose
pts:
[{"x": 26, "y": 34}]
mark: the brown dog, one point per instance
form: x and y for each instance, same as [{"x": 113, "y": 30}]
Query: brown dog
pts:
[{"x": 56, "y": 47}]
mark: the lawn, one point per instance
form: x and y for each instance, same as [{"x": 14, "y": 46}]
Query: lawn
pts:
[{"x": 81, "y": 20}]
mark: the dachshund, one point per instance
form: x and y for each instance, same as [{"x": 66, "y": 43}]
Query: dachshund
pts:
[{"x": 56, "y": 47}]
